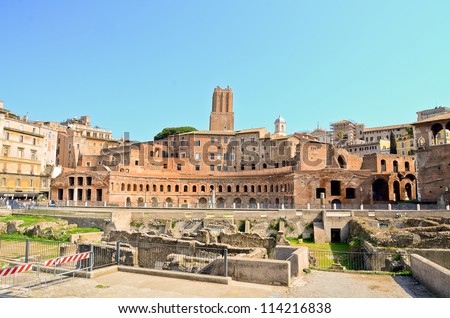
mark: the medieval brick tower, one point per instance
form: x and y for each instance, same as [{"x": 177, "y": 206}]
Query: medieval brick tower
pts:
[{"x": 222, "y": 116}]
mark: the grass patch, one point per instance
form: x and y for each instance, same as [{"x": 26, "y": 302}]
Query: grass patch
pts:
[
  {"x": 28, "y": 220},
  {"x": 338, "y": 247},
  {"x": 101, "y": 286}
]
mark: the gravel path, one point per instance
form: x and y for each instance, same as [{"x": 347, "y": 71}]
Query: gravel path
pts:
[{"x": 355, "y": 285}]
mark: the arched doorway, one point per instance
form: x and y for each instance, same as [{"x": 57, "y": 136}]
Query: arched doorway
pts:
[
  {"x": 237, "y": 202},
  {"x": 128, "y": 202},
  {"x": 252, "y": 203},
  {"x": 265, "y": 203},
  {"x": 342, "y": 162},
  {"x": 337, "y": 202},
  {"x": 438, "y": 134},
  {"x": 277, "y": 203},
  {"x": 154, "y": 202},
  {"x": 202, "y": 202},
  {"x": 220, "y": 203},
  {"x": 408, "y": 191},
  {"x": 380, "y": 190},
  {"x": 141, "y": 201},
  {"x": 169, "y": 202},
  {"x": 397, "y": 196}
]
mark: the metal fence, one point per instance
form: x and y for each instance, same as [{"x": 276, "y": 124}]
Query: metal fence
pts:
[
  {"x": 184, "y": 257},
  {"x": 400, "y": 206},
  {"x": 27, "y": 250},
  {"x": 359, "y": 261}
]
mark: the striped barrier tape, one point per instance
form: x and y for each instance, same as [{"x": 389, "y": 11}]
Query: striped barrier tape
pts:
[
  {"x": 67, "y": 259},
  {"x": 15, "y": 270}
]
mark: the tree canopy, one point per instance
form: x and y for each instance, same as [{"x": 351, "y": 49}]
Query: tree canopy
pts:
[{"x": 172, "y": 131}]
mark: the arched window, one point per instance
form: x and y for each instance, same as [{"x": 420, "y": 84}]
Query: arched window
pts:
[
  {"x": 177, "y": 188},
  {"x": 169, "y": 188},
  {"x": 154, "y": 188},
  {"x": 134, "y": 187},
  {"x": 259, "y": 188},
  {"x": 161, "y": 188},
  {"x": 395, "y": 164},
  {"x": 185, "y": 188},
  {"x": 237, "y": 188},
  {"x": 342, "y": 163},
  {"x": 229, "y": 188},
  {"x": 265, "y": 188},
  {"x": 122, "y": 187},
  {"x": 383, "y": 165},
  {"x": 194, "y": 188},
  {"x": 245, "y": 188},
  {"x": 252, "y": 188},
  {"x": 220, "y": 188},
  {"x": 407, "y": 166},
  {"x": 147, "y": 187},
  {"x": 141, "y": 187},
  {"x": 128, "y": 187},
  {"x": 203, "y": 188}
]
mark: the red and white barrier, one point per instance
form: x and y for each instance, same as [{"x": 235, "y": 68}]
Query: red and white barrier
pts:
[
  {"x": 67, "y": 259},
  {"x": 15, "y": 270}
]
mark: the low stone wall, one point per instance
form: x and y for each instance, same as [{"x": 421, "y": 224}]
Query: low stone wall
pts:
[
  {"x": 438, "y": 256},
  {"x": 297, "y": 256},
  {"x": 86, "y": 237},
  {"x": 258, "y": 271},
  {"x": 435, "y": 277},
  {"x": 247, "y": 240}
]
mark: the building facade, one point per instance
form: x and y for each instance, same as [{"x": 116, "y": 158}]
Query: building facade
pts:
[
  {"x": 27, "y": 154},
  {"x": 224, "y": 168}
]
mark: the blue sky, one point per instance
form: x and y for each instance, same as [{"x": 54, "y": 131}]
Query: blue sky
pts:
[{"x": 140, "y": 66}]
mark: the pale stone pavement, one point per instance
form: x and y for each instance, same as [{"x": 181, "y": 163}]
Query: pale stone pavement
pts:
[{"x": 316, "y": 284}]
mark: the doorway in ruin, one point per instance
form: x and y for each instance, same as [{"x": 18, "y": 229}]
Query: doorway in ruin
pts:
[
  {"x": 337, "y": 202},
  {"x": 202, "y": 202},
  {"x": 397, "y": 196},
  {"x": 220, "y": 202},
  {"x": 169, "y": 202},
  {"x": 335, "y": 235},
  {"x": 408, "y": 190},
  {"x": 237, "y": 202},
  {"x": 380, "y": 190},
  {"x": 128, "y": 202}
]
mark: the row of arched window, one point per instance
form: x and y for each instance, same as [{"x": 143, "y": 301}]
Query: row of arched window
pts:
[
  {"x": 123, "y": 187},
  {"x": 395, "y": 166}
]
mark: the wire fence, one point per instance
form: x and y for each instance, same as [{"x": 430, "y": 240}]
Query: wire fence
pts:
[
  {"x": 334, "y": 205},
  {"x": 177, "y": 256},
  {"x": 359, "y": 261}
]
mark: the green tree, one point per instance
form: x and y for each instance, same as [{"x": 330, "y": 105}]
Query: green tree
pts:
[
  {"x": 393, "y": 140},
  {"x": 172, "y": 131},
  {"x": 410, "y": 131}
]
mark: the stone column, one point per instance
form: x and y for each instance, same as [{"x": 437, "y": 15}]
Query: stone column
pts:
[
  {"x": 247, "y": 226},
  {"x": 281, "y": 226}
]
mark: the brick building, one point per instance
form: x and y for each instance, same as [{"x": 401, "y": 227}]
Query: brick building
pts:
[
  {"x": 433, "y": 157},
  {"x": 225, "y": 168}
]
